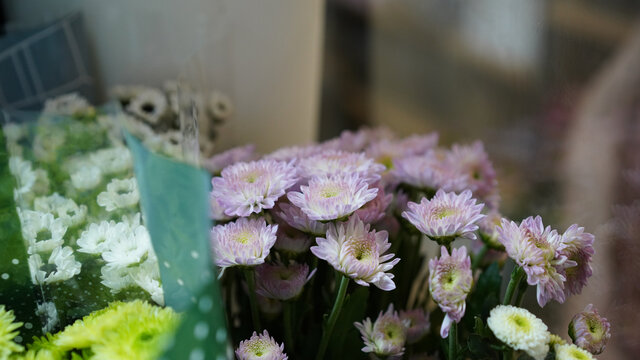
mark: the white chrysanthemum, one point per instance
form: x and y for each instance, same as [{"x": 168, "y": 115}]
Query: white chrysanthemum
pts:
[
  {"x": 147, "y": 277},
  {"x": 41, "y": 230},
  {"x": 245, "y": 242},
  {"x": 96, "y": 238},
  {"x": 520, "y": 329},
  {"x": 24, "y": 174},
  {"x": 115, "y": 278},
  {"x": 86, "y": 178},
  {"x": 128, "y": 250},
  {"x": 49, "y": 312},
  {"x": 112, "y": 160},
  {"x": 120, "y": 194},
  {"x": 67, "y": 105},
  {"x": 358, "y": 253},
  {"x": 42, "y": 183},
  {"x": 62, "y": 265},
  {"x": 149, "y": 104},
  {"x": 70, "y": 213},
  {"x": 572, "y": 352},
  {"x": 260, "y": 347},
  {"x": 332, "y": 197}
]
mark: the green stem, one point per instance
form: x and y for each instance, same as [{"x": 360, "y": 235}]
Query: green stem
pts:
[
  {"x": 453, "y": 341},
  {"x": 522, "y": 289},
  {"x": 516, "y": 276},
  {"x": 288, "y": 326},
  {"x": 479, "y": 256},
  {"x": 331, "y": 322},
  {"x": 251, "y": 282}
]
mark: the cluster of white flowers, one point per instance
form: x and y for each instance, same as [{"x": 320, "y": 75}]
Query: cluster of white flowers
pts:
[{"x": 126, "y": 249}]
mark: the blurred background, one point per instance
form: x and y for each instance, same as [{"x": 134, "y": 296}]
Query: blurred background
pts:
[{"x": 551, "y": 87}]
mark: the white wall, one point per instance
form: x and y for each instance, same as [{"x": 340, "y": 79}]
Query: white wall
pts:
[{"x": 265, "y": 54}]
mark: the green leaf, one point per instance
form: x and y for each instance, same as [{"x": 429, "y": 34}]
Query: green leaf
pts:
[
  {"x": 345, "y": 341},
  {"x": 16, "y": 291}
]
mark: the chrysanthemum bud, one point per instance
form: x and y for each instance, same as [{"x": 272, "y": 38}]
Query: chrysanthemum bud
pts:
[{"x": 589, "y": 330}]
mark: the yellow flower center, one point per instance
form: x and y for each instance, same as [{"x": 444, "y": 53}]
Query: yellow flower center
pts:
[
  {"x": 521, "y": 322},
  {"x": 443, "y": 212},
  {"x": 243, "y": 237}
]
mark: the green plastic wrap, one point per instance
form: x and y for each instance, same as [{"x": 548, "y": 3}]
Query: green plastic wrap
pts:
[{"x": 174, "y": 199}]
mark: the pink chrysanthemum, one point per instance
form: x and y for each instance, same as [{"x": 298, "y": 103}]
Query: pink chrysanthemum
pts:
[
  {"x": 297, "y": 219},
  {"x": 335, "y": 162},
  {"x": 246, "y": 188},
  {"x": 217, "y": 162},
  {"x": 473, "y": 161},
  {"x": 450, "y": 280},
  {"x": 357, "y": 141},
  {"x": 387, "y": 151},
  {"x": 291, "y": 240},
  {"x": 333, "y": 197},
  {"x": 579, "y": 250},
  {"x": 374, "y": 210},
  {"x": 244, "y": 242},
  {"x": 429, "y": 172},
  {"x": 260, "y": 347},
  {"x": 488, "y": 229},
  {"x": 358, "y": 253},
  {"x": 446, "y": 217},
  {"x": 384, "y": 338},
  {"x": 589, "y": 330},
  {"x": 281, "y": 282},
  {"x": 538, "y": 250},
  {"x": 417, "y": 324},
  {"x": 294, "y": 152}
]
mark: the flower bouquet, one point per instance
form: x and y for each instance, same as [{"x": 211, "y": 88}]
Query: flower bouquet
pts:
[
  {"x": 369, "y": 245},
  {"x": 92, "y": 266}
]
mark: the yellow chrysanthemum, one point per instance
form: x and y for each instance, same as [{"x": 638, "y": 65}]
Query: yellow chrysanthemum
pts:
[
  {"x": 556, "y": 340},
  {"x": 572, "y": 352},
  {"x": 123, "y": 330},
  {"x": 7, "y": 333}
]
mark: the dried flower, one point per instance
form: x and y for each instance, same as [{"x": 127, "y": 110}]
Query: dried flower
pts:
[
  {"x": 450, "y": 280},
  {"x": 446, "y": 217},
  {"x": 358, "y": 253},
  {"x": 246, "y": 188},
  {"x": 260, "y": 347},
  {"x": 520, "y": 329},
  {"x": 384, "y": 338},
  {"x": 282, "y": 282},
  {"x": 589, "y": 330},
  {"x": 244, "y": 242},
  {"x": 333, "y": 197},
  {"x": 149, "y": 104}
]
